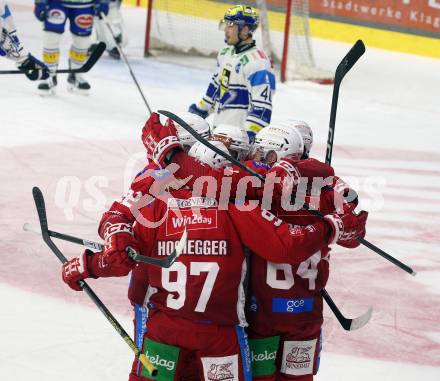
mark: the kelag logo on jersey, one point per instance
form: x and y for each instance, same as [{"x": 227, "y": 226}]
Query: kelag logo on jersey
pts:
[{"x": 198, "y": 219}]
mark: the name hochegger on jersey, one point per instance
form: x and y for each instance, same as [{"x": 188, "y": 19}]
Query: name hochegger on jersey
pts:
[{"x": 195, "y": 247}]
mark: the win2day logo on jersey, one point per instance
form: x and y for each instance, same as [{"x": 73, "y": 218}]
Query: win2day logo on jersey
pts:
[{"x": 191, "y": 218}]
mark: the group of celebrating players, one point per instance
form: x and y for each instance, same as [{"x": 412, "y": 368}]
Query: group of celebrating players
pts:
[
  {"x": 244, "y": 271},
  {"x": 243, "y": 300}
]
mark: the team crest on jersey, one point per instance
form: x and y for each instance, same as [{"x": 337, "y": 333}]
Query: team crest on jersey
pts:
[
  {"x": 298, "y": 357},
  {"x": 224, "y": 81},
  {"x": 237, "y": 67},
  {"x": 220, "y": 368},
  {"x": 84, "y": 21},
  {"x": 56, "y": 16}
]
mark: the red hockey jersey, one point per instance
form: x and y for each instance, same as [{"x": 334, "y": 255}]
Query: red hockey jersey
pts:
[
  {"x": 206, "y": 282},
  {"x": 283, "y": 293}
]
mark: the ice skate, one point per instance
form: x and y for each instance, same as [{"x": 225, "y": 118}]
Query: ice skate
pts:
[
  {"x": 47, "y": 87},
  {"x": 78, "y": 84},
  {"x": 114, "y": 53}
]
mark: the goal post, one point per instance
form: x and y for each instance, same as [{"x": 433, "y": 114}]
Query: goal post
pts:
[{"x": 191, "y": 27}]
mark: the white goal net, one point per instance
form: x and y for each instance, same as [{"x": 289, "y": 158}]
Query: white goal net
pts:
[{"x": 191, "y": 27}]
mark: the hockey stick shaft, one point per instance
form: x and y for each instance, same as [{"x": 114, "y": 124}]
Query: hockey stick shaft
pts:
[
  {"x": 201, "y": 139},
  {"x": 342, "y": 320},
  {"x": 343, "y": 68},
  {"x": 65, "y": 237},
  {"x": 387, "y": 256},
  {"x": 94, "y": 57},
  {"x": 124, "y": 57},
  {"x": 41, "y": 210},
  {"x": 356, "y": 52},
  {"x": 205, "y": 142},
  {"x": 166, "y": 262},
  {"x": 377, "y": 250}
]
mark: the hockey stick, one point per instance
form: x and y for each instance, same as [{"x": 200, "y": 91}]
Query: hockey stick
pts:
[
  {"x": 65, "y": 237},
  {"x": 41, "y": 210},
  {"x": 346, "y": 323},
  {"x": 343, "y": 68},
  {"x": 94, "y": 57},
  {"x": 121, "y": 52},
  {"x": 166, "y": 262}
]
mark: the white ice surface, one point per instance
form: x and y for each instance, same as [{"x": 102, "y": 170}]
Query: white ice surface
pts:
[{"x": 387, "y": 139}]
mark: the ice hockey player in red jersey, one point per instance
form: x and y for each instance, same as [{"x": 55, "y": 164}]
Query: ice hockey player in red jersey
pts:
[
  {"x": 198, "y": 303},
  {"x": 285, "y": 306},
  {"x": 116, "y": 224},
  {"x": 292, "y": 305}
]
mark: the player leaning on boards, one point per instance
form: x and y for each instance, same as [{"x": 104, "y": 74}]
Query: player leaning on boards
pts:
[
  {"x": 54, "y": 14},
  {"x": 10, "y": 47},
  {"x": 241, "y": 89}
]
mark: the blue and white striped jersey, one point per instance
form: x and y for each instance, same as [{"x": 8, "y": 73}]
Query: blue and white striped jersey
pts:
[{"x": 240, "y": 92}]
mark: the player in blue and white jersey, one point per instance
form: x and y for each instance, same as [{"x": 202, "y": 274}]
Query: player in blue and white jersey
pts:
[
  {"x": 11, "y": 47},
  {"x": 54, "y": 14},
  {"x": 241, "y": 90}
]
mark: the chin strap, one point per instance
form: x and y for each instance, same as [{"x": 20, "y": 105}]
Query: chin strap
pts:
[{"x": 241, "y": 48}]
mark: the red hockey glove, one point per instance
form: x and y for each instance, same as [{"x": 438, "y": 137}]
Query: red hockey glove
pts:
[
  {"x": 118, "y": 237},
  {"x": 76, "y": 269},
  {"x": 348, "y": 194},
  {"x": 160, "y": 141},
  {"x": 347, "y": 226},
  {"x": 287, "y": 172}
]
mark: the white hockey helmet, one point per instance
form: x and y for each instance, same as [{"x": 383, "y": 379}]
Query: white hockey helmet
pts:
[
  {"x": 234, "y": 138},
  {"x": 197, "y": 123},
  {"x": 277, "y": 141},
  {"x": 306, "y": 133},
  {"x": 208, "y": 156}
]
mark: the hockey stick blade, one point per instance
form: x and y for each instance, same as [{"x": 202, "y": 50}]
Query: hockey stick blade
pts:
[
  {"x": 356, "y": 52},
  {"x": 166, "y": 263},
  {"x": 347, "y": 324},
  {"x": 42, "y": 216},
  {"x": 41, "y": 210},
  {"x": 94, "y": 57},
  {"x": 353, "y": 55}
]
